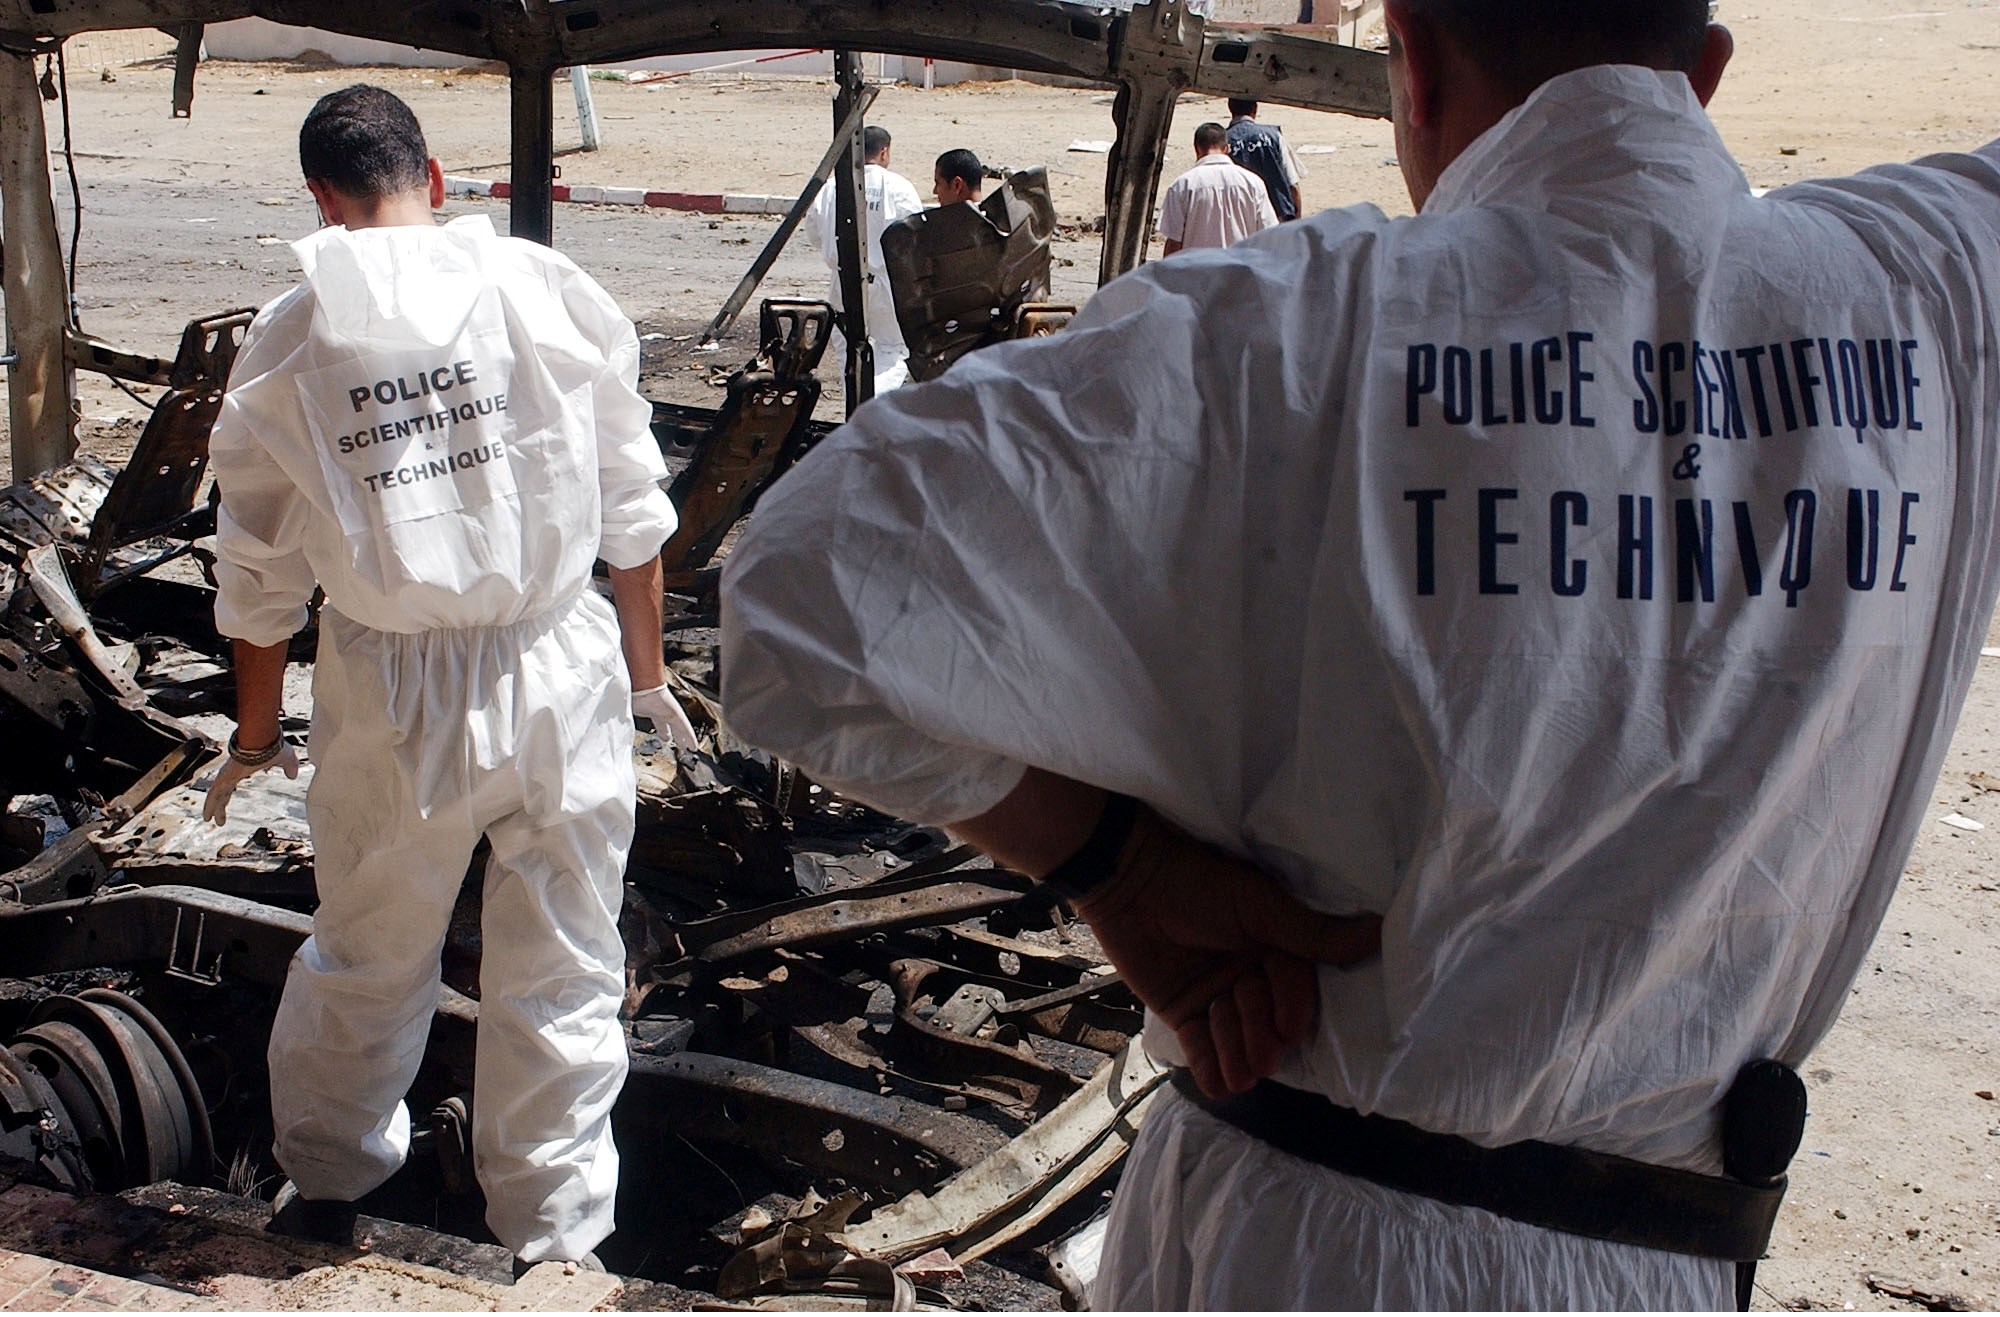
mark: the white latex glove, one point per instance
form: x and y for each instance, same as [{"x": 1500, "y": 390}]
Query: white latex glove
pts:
[
  {"x": 215, "y": 806},
  {"x": 667, "y": 716}
]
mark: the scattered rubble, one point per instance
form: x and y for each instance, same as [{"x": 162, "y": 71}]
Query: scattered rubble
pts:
[{"x": 821, "y": 998}]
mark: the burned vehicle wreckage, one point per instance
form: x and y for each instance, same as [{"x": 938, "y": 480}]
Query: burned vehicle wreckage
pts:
[{"x": 819, "y": 997}]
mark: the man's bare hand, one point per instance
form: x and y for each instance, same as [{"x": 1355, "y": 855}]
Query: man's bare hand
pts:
[{"x": 1219, "y": 951}]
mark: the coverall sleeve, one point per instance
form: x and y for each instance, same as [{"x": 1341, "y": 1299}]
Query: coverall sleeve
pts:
[
  {"x": 638, "y": 515},
  {"x": 901, "y": 202},
  {"x": 263, "y": 580},
  {"x": 1954, "y": 200},
  {"x": 990, "y": 571}
]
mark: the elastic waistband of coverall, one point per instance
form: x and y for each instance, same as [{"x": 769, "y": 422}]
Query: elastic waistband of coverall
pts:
[{"x": 533, "y": 625}]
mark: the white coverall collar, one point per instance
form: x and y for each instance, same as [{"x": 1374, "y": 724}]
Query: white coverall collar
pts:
[
  {"x": 309, "y": 248},
  {"x": 1559, "y": 138},
  {"x": 362, "y": 278}
]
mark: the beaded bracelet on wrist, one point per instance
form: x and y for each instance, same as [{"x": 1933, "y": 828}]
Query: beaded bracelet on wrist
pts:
[{"x": 255, "y": 758}]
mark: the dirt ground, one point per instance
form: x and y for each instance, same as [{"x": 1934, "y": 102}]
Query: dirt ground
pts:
[{"x": 1897, "y": 1178}]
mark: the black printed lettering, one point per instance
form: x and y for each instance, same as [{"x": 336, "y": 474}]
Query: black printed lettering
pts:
[
  {"x": 1694, "y": 549},
  {"x": 1910, "y": 383},
  {"x": 1753, "y": 361},
  {"x": 1673, "y": 357},
  {"x": 1885, "y": 397},
  {"x": 1746, "y": 552},
  {"x": 1864, "y": 537},
  {"x": 1426, "y": 501},
  {"x": 1419, "y": 378},
  {"x": 1646, "y": 407},
  {"x": 1904, "y": 539},
  {"x": 1457, "y": 385},
  {"x": 1491, "y": 537},
  {"x": 1567, "y": 575},
  {"x": 1795, "y": 572},
  {"x": 1635, "y": 546},
  {"x": 1578, "y": 377}
]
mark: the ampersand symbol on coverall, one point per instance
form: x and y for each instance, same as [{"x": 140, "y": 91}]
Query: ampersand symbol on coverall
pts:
[{"x": 1687, "y": 468}]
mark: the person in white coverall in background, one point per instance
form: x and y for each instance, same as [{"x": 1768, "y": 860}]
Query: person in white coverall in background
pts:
[
  {"x": 891, "y": 198},
  {"x": 1582, "y": 575},
  {"x": 441, "y": 428}
]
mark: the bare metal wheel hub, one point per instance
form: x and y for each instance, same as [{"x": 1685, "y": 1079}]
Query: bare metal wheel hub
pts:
[{"x": 97, "y": 1092}]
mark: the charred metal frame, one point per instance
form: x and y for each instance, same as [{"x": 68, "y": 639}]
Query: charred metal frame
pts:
[{"x": 1151, "y": 54}]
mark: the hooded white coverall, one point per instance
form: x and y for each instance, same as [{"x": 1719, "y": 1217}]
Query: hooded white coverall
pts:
[
  {"x": 891, "y": 198},
  {"x": 1584, "y": 574},
  {"x": 442, "y": 429}
]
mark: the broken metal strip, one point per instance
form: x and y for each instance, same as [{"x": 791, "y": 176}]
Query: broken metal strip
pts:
[
  {"x": 1088, "y": 990},
  {"x": 52, "y": 586},
  {"x": 130, "y": 927},
  {"x": 882, "y": 1142},
  {"x": 839, "y": 916},
  {"x": 1025, "y": 1182},
  {"x": 61, "y": 867},
  {"x": 87, "y": 353}
]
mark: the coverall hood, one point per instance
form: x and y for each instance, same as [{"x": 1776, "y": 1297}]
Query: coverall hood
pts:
[{"x": 409, "y": 284}]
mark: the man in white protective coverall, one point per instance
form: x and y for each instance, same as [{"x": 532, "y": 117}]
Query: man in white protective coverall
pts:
[
  {"x": 891, "y": 198},
  {"x": 1583, "y": 575},
  {"x": 441, "y": 428}
]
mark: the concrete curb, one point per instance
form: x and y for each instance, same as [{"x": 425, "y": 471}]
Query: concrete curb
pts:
[{"x": 705, "y": 203}]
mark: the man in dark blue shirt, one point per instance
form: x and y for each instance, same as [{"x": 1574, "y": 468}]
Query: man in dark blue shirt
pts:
[{"x": 1262, "y": 151}]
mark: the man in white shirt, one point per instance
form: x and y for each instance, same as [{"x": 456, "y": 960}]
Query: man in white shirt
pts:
[
  {"x": 891, "y": 197},
  {"x": 1583, "y": 574},
  {"x": 1215, "y": 203}
]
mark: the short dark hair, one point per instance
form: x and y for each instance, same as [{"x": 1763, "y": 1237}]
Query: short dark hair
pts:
[
  {"x": 363, "y": 141},
  {"x": 1242, "y": 105},
  {"x": 874, "y": 141},
  {"x": 962, "y": 165},
  {"x": 1524, "y": 43},
  {"x": 1209, "y": 136}
]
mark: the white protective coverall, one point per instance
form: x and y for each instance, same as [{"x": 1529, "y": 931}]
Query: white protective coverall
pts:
[
  {"x": 1584, "y": 574},
  {"x": 891, "y": 197},
  {"x": 442, "y": 428}
]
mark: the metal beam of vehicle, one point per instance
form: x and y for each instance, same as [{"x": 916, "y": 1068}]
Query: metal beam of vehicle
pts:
[
  {"x": 1069, "y": 39},
  {"x": 462, "y": 27},
  {"x": 187, "y": 54},
  {"x": 194, "y": 934},
  {"x": 1145, "y": 114},
  {"x": 32, "y": 282},
  {"x": 1291, "y": 68},
  {"x": 746, "y": 288},
  {"x": 850, "y": 210},
  {"x": 882, "y": 1142},
  {"x": 87, "y": 353},
  {"x": 1156, "y": 61},
  {"x": 69, "y": 866},
  {"x": 531, "y": 208},
  {"x": 839, "y": 916},
  {"x": 1017, "y": 1188}
]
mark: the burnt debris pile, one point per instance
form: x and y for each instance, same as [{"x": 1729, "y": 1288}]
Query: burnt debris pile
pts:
[{"x": 856, "y": 1067}]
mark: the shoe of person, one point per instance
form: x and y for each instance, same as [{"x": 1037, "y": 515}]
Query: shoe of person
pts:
[
  {"x": 588, "y": 1262},
  {"x": 321, "y": 1220}
]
